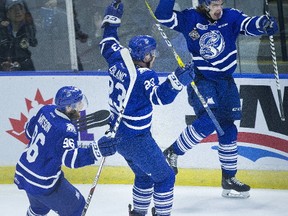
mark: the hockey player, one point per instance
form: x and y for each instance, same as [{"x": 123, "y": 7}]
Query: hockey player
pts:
[
  {"x": 211, "y": 32},
  {"x": 153, "y": 175},
  {"x": 53, "y": 143}
]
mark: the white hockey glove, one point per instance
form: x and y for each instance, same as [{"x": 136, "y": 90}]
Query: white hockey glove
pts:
[{"x": 113, "y": 14}]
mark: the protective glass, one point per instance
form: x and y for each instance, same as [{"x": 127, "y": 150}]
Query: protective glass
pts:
[{"x": 80, "y": 105}]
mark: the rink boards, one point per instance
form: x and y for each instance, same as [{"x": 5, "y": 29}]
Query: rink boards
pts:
[{"x": 262, "y": 139}]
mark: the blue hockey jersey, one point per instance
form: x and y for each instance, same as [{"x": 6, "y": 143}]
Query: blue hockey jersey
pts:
[
  {"x": 212, "y": 44},
  {"x": 147, "y": 90},
  {"x": 53, "y": 143}
]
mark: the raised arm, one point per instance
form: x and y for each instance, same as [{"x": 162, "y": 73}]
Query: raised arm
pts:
[
  {"x": 164, "y": 10},
  {"x": 111, "y": 21}
]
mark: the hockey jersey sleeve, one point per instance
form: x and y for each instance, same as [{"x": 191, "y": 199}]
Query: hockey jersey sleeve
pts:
[
  {"x": 78, "y": 157},
  {"x": 164, "y": 10},
  {"x": 110, "y": 44},
  {"x": 159, "y": 94},
  {"x": 29, "y": 127},
  {"x": 176, "y": 20},
  {"x": 72, "y": 155},
  {"x": 165, "y": 93},
  {"x": 244, "y": 24}
]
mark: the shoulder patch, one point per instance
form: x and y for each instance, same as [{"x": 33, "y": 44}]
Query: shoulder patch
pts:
[
  {"x": 71, "y": 128},
  {"x": 143, "y": 70}
]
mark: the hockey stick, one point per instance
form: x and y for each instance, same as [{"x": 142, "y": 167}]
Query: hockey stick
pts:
[
  {"x": 133, "y": 75},
  {"x": 181, "y": 64},
  {"x": 275, "y": 66},
  {"x": 96, "y": 119}
]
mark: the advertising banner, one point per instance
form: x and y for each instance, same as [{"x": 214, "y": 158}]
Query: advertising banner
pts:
[{"x": 262, "y": 138}]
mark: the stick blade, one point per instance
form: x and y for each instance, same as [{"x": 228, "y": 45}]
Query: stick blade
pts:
[{"x": 96, "y": 119}]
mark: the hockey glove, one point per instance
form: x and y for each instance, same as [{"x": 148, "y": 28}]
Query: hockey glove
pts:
[
  {"x": 185, "y": 75},
  {"x": 113, "y": 14},
  {"x": 105, "y": 146},
  {"x": 268, "y": 25}
]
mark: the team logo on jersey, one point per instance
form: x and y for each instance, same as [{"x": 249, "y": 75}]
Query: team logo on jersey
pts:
[
  {"x": 211, "y": 44},
  {"x": 70, "y": 128}
]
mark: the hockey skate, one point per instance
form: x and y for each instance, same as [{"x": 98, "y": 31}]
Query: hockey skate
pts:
[
  {"x": 233, "y": 188},
  {"x": 133, "y": 212},
  {"x": 171, "y": 157}
]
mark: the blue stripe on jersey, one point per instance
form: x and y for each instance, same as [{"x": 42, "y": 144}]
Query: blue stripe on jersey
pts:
[{"x": 43, "y": 182}]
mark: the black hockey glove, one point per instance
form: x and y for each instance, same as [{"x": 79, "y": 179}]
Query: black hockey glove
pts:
[{"x": 113, "y": 14}]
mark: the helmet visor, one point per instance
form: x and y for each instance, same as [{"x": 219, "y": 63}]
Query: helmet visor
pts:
[
  {"x": 154, "y": 53},
  {"x": 80, "y": 105}
]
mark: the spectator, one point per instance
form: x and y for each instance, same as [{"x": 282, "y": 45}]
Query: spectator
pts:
[{"x": 17, "y": 33}]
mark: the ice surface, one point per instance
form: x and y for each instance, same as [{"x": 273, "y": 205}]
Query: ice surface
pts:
[{"x": 112, "y": 200}]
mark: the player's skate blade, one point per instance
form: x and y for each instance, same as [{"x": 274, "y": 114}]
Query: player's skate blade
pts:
[
  {"x": 233, "y": 188},
  {"x": 228, "y": 193}
]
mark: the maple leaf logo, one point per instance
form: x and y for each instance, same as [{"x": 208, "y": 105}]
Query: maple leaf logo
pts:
[{"x": 18, "y": 125}]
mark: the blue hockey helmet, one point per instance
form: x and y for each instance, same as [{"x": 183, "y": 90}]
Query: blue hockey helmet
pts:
[
  {"x": 140, "y": 46},
  {"x": 70, "y": 96}
]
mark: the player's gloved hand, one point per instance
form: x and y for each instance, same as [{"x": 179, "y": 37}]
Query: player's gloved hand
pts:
[
  {"x": 113, "y": 14},
  {"x": 105, "y": 146},
  {"x": 268, "y": 25},
  {"x": 182, "y": 76},
  {"x": 185, "y": 75}
]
